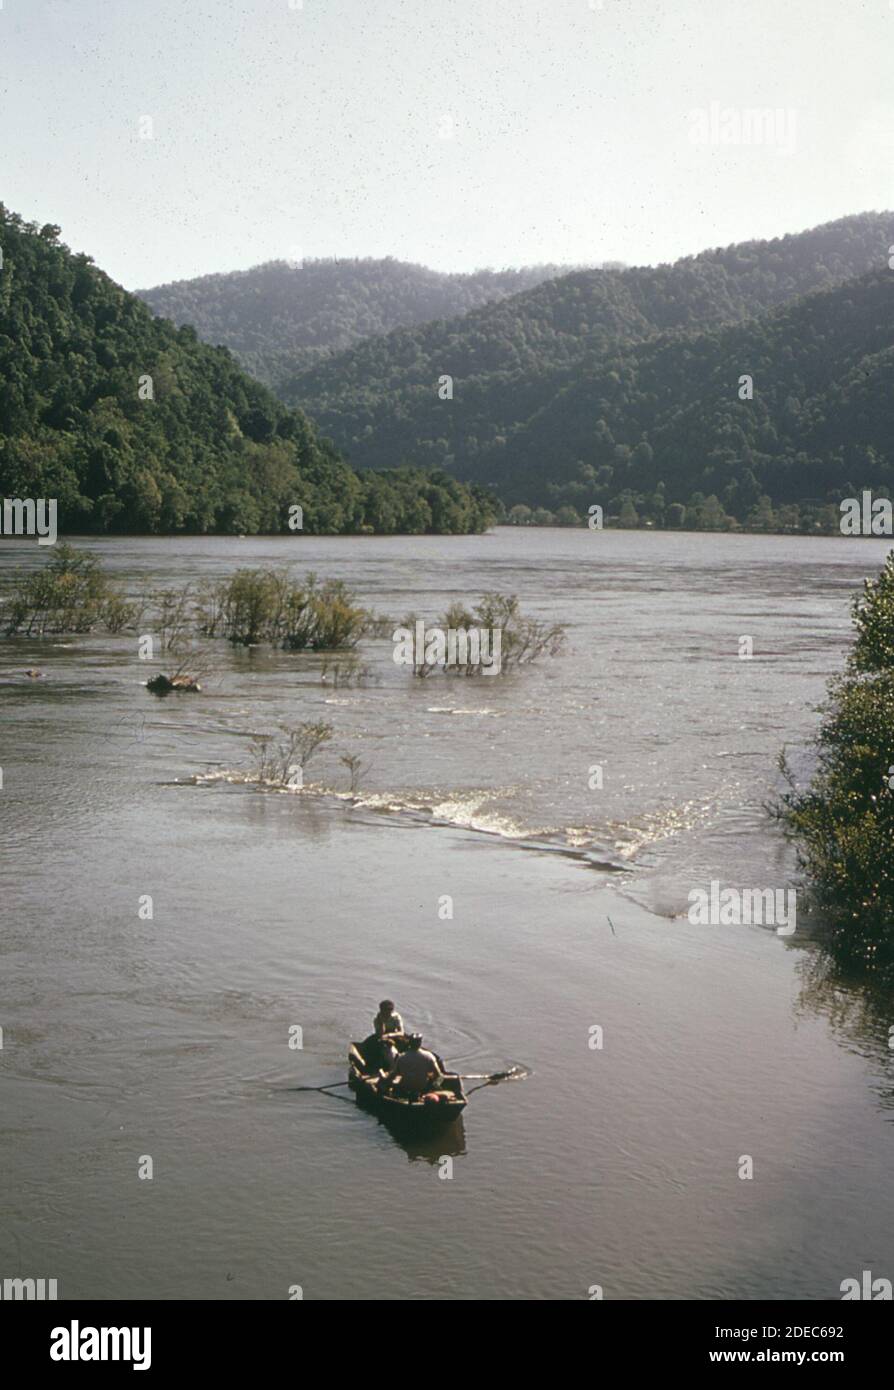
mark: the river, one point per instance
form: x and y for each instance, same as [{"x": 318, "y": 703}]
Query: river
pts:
[{"x": 128, "y": 1038}]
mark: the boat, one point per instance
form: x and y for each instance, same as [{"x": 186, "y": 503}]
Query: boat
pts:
[{"x": 424, "y": 1116}]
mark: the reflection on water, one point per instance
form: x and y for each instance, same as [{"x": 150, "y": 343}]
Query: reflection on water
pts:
[
  {"x": 450, "y": 1142},
  {"x": 858, "y": 1008}
]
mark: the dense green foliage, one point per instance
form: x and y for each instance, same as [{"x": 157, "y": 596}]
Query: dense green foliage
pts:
[
  {"x": 844, "y": 821},
  {"x": 873, "y": 650},
  {"x": 670, "y": 425},
  {"x": 601, "y": 386},
  {"x": 134, "y": 425},
  {"x": 280, "y": 317}
]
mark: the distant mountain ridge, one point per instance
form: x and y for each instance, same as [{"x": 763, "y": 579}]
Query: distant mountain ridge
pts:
[
  {"x": 283, "y": 316},
  {"x": 508, "y": 361},
  {"x": 620, "y": 386},
  {"x": 795, "y": 406}
]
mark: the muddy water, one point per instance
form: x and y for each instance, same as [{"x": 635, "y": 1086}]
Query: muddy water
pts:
[{"x": 127, "y": 1038}]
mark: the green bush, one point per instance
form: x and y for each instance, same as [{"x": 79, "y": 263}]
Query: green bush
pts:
[
  {"x": 874, "y": 621},
  {"x": 522, "y": 640},
  {"x": 68, "y": 594},
  {"x": 265, "y": 605},
  {"x": 844, "y": 820}
]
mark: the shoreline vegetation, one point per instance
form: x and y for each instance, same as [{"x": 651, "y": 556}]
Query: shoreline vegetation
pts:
[
  {"x": 699, "y": 514},
  {"x": 697, "y": 520},
  {"x": 843, "y": 820}
]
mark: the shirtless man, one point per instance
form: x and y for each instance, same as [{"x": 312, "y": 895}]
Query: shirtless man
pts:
[{"x": 387, "y": 1025}]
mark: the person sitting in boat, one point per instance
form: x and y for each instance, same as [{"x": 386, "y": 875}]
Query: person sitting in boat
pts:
[
  {"x": 388, "y": 1026},
  {"x": 378, "y": 1049},
  {"x": 387, "y": 1020},
  {"x": 414, "y": 1071}
]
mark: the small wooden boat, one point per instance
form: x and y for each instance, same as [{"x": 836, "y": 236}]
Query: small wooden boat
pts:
[{"x": 405, "y": 1116}]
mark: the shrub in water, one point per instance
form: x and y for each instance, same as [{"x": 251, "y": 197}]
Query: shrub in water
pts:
[{"x": 844, "y": 820}]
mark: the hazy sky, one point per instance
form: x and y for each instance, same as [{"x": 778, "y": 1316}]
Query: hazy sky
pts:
[{"x": 459, "y": 133}]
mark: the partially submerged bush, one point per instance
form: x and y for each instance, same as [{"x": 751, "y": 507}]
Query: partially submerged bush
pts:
[
  {"x": 68, "y": 594},
  {"x": 322, "y": 617},
  {"x": 71, "y": 593},
  {"x": 121, "y": 612},
  {"x": 524, "y": 639},
  {"x": 266, "y": 605},
  {"x": 282, "y": 758},
  {"x": 357, "y": 768},
  {"x": 246, "y": 608},
  {"x": 521, "y": 640},
  {"x": 346, "y": 670},
  {"x": 172, "y": 618}
]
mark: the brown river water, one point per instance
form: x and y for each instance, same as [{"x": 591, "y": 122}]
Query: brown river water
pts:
[{"x": 126, "y": 1039}]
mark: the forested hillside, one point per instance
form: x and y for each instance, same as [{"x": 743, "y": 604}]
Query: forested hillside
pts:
[
  {"x": 512, "y": 364},
  {"x": 282, "y": 317},
  {"x": 672, "y": 421},
  {"x": 134, "y": 425}
]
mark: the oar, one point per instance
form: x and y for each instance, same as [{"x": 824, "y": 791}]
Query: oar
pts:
[
  {"x": 463, "y": 1076},
  {"x": 331, "y": 1086},
  {"x": 491, "y": 1080},
  {"x": 488, "y": 1076}
]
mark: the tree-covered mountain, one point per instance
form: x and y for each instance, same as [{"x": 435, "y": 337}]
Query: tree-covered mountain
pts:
[
  {"x": 795, "y": 406},
  {"x": 513, "y": 364},
  {"x": 284, "y": 316},
  {"x": 134, "y": 425}
]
